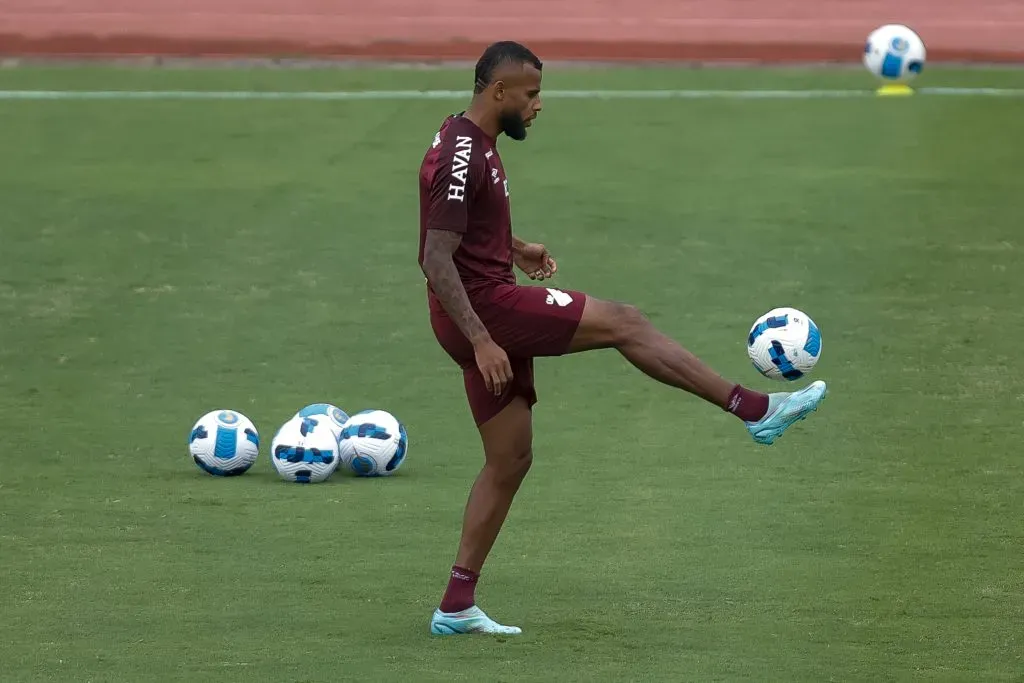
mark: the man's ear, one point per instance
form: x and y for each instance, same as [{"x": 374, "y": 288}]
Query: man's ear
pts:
[{"x": 499, "y": 90}]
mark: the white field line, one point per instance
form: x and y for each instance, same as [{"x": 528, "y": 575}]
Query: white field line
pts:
[{"x": 384, "y": 95}]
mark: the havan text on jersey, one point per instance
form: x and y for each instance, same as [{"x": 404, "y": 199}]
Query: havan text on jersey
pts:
[{"x": 460, "y": 167}]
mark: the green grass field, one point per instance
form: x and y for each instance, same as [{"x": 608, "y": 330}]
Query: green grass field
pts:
[{"x": 162, "y": 259}]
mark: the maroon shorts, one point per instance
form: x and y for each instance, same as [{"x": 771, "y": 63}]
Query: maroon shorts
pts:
[{"x": 526, "y": 322}]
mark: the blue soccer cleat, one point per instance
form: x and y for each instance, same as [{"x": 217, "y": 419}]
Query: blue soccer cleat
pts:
[
  {"x": 472, "y": 620},
  {"x": 785, "y": 409}
]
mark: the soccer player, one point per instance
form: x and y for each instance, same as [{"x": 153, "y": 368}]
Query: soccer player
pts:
[{"x": 494, "y": 328}]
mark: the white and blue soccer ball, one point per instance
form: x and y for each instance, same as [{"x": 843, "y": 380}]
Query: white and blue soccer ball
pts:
[
  {"x": 224, "y": 443},
  {"x": 305, "y": 450},
  {"x": 894, "y": 53},
  {"x": 784, "y": 344},
  {"x": 373, "y": 443},
  {"x": 336, "y": 417}
]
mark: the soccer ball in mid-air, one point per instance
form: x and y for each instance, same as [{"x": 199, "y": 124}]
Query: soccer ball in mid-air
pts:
[
  {"x": 224, "y": 443},
  {"x": 336, "y": 417},
  {"x": 894, "y": 53},
  {"x": 304, "y": 450},
  {"x": 784, "y": 344},
  {"x": 373, "y": 443}
]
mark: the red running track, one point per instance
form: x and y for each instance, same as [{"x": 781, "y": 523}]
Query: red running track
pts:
[{"x": 755, "y": 30}]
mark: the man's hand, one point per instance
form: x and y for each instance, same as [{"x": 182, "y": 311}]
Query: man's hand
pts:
[
  {"x": 534, "y": 260},
  {"x": 494, "y": 366}
]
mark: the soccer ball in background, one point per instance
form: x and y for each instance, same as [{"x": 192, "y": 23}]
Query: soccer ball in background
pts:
[
  {"x": 373, "y": 443},
  {"x": 784, "y": 344},
  {"x": 336, "y": 417},
  {"x": 894, "y": 53},
  {"x": 224, "y": 443},
  {"x": 304, "y": 450}
]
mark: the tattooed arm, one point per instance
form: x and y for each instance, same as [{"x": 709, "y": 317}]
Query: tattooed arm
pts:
[
  {"x": 443, "y": 278},
  {"x": 439, "y": 268}
]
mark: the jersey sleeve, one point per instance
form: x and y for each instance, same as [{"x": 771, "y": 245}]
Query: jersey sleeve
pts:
[{"x": 457, "y": 178}]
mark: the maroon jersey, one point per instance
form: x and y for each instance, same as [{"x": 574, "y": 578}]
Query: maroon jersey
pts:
[{"x": 463, "y": 189}]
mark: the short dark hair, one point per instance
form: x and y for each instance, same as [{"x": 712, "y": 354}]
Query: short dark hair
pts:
[{"x": 499, "y": 54}]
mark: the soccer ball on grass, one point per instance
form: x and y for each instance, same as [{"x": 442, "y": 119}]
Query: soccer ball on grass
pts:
[
  {"x": 336, "y": 417},
  {"x": 304, "y": 450},
  {"x": 373, "y": 443},
  {"x": 224, "y": 443}
]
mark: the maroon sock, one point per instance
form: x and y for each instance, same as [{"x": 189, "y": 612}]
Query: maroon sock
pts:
[
  {"x": 461, "y": 589},
  {"x": 747, "y": 405}
]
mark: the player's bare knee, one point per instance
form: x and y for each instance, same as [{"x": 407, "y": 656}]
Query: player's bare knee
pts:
[
  {"x": 511, "y": 468},
  {"x": 524, "y": 462},
  {"x": 519, "y": 466},
  {"x": 629, "y": 322}
]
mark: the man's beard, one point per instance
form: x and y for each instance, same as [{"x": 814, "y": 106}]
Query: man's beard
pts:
[{"x": 512, "y": 125}]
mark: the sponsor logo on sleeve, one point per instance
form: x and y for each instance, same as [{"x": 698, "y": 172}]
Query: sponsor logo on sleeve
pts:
[{"x": 460, "y": 168}]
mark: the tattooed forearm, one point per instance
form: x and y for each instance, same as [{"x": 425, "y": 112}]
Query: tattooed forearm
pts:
[{"x": 444, "y": 280}]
